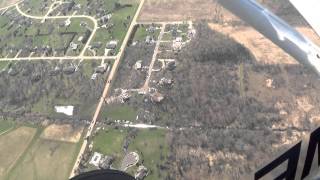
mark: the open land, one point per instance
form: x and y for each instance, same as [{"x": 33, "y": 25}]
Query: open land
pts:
[{"x": 170, "y": 98}]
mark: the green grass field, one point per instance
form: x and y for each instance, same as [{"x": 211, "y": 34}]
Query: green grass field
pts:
[
  {"x": 13, "y": 145},
  {"x": 46, "y": 159},
  {"x": 110, "y": 142},
  {"x": 153, "y": 148},
  {"x": 151, "y": 145},
  {"x": 5, "y": 125},
  {"x": 142, "y": 33},
  {"x": 119, "y": 112}
]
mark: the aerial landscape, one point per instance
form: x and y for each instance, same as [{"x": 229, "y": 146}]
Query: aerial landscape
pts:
[{"x": 158, "y": 89}]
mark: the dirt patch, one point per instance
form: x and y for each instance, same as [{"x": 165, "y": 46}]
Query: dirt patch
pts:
[
  {"x": 263, "y": 49},
  {"x": 64, "y": 132},
  {"x": 6, "y": 3},
  {"x": 177, "y": 10},
  {"x": 12, "y": 145}
]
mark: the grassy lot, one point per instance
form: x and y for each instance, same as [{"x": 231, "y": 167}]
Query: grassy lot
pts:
[
  {"x": 110, "y": 142},
  {"x": 13, "y": 145},
  {"x": 3, "y": 64},
  {"x": 167, "y": 36},
  {"x": 46, "y": 159},
  {"x": 142, "y": 33},
  {"x": 119, "y": 112},
  {"x": 5, "y": 125},
  {"x": 153, "y": 149}
]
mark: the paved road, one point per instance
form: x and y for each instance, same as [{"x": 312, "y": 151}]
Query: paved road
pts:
[
  {"x": 154, "y": 57},
  {"x": 107, "y": 87}
]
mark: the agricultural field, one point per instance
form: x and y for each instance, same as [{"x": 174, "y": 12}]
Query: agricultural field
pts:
[
  {"x": 5, "y": 126},
  {"x": 6, "y": 3},
  {"x": 49, "y": 157},
  {"x": 13, "y": 144}
]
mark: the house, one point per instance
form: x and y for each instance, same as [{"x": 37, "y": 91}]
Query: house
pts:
[
  {"x": 55, "y": 72},
  {"x": 112, "y": 45},
  {"x": 67, "y": 23},
  {"x": 86, "y": 36},
  {"x": 151, "y": 29},
  {"x": 70, "y": 5},
  {"x": 157, "y": 97},
  {"x": 13, "y": 71},
  {"x": 73, "y": 46},
  {"x": 95, "y": 160},
  {"x": 101, "y": 69},
  {"x": 105, "y": 163},
  {"x": 80, "y": 38},
  {"x": 141, "y": 173},
  {"x": 171, "y": 65},
  {"x": 178, "y": 39},
  {"x": 165, "y": 82},
  {"x": 149, "y": 40},
  {"x": 104, "y": 19},
  {"x": 138, "y": 65},
  {"x": 69, "y": 70},
  {"x": 94, "y": 76}
]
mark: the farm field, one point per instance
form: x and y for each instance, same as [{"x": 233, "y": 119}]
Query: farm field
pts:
[
  {"x": 13, "y": 145},
  {"x": 5, "y": 126},
  {"x": 50, "y": 159}
]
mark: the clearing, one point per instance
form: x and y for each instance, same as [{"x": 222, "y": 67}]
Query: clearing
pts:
[
  {"x": 64, "y": 132},
  {"x": 119, "y": 112},
  {"x": 5, "y": 3},
  {"x": 49, "y": 155},
  {"x": 153, "y": 149},
  {"x": 5, "y": 126},
  {"x": 12, "y": 146},
  {"x": 45, "y": 159},
  {"x": 264, "y": 51},
  {"x": 110, "y": 142}
]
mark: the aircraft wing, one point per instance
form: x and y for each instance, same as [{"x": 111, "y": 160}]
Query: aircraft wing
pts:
[{"x": 310, "y": 10}]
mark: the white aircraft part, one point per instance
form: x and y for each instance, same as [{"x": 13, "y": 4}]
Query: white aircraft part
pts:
[
  {"x": 310, "y": 10},
  {"x": 277, "y": 30}
]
